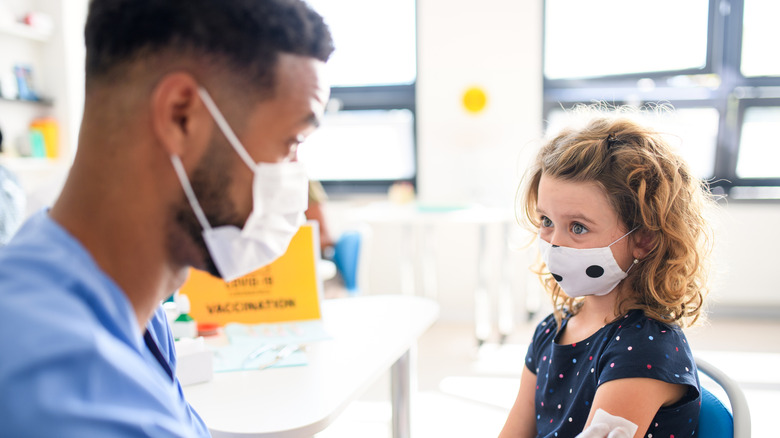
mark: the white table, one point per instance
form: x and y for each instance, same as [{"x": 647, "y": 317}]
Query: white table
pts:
[
  {"x": 370, "y": 335},
  {"x": 412, "y": 216}
]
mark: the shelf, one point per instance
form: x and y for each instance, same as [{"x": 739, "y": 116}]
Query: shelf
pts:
[
  {"x": 23, "y": 31},
  {"x": 30, "y": 164},
  {"x": 41, "y": 102}
]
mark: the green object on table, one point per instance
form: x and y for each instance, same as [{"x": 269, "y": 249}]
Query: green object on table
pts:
[
  {"x": 37, "y": 144},
  {"x": 432, "y": 208}
]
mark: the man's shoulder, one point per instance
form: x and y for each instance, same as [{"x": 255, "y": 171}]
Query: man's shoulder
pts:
[
  {"x": 39, "y": 252},
  {"x": 56, "y": 301},
  {"x": 42, "y": 285},
  {"x": 45, "y": 269}
]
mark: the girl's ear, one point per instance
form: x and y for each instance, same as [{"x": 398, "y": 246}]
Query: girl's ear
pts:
[{"x": 644, "y": 242}]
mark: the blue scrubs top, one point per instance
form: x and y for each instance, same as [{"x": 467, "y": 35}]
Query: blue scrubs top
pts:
[{"x": 73, "y": 361}]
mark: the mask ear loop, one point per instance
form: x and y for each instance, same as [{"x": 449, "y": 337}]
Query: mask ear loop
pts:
[
  {"x": 621, "y": 238},
  {"x": 185, "y": 184},
  {"x": 225, "y": 127},
  {"x": 636, "y": 261}
]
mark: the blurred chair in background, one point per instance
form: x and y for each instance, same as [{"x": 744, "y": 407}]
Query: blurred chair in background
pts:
[
  {"x": 317, "y": 199},
  {"x": 346, "y": 256},
  {"x": 346, "y": 252}
]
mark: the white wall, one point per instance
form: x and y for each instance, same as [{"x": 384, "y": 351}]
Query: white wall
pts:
[
  {"x": 745, "y": 259},
  {"x": 466, "y": 158},
  {"x": 493, "y": 44}
]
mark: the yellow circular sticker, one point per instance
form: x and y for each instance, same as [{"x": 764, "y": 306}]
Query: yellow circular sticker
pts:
[{"x": 474, "y": 99}]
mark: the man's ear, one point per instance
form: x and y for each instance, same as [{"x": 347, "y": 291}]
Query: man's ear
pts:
[
  {"x": 178, "y": 115},
  {"x": 644, "y": 243}
]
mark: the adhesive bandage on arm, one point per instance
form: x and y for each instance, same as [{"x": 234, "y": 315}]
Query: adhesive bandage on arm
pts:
[{"x": 606, "y": 425}]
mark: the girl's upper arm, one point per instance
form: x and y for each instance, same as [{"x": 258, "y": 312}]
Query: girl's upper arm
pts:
[
  {"x": 521, "y": 421},
  {"x": 635, "y": 399}
]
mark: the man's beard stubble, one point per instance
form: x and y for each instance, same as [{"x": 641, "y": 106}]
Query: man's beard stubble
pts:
[{"x": 210, "y": 182}]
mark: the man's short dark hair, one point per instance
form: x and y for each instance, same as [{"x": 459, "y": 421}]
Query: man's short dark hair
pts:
[{"x": 242, "y": 36}]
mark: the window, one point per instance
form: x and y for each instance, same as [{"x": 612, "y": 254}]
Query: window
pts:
[
  {"x": 367, "y": 138},
  {"x": 618, "y": 37},
  {"x": 759, "y": 154},
  {"x": 379, "y": 144},
  {"x": 710, "y": 59},
  {"x": 692, "y": 131},
  {"x": 759, "y": 30}
]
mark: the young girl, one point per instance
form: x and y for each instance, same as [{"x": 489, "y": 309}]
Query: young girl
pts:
[{"x": 624, "y": 246}]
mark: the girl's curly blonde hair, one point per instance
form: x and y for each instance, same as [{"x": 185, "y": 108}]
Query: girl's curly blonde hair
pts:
[{"x": 652, "y": 189}]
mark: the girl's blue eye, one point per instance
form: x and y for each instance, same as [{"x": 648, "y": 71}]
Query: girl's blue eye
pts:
[
  {"x": 546, "y": 222},
  {"x": 578, "y": 229}
]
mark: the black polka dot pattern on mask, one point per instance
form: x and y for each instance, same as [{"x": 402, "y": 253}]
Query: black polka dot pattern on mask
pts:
[
  {"x": 557, "y": 277},
  {"x": 594, "y": 271}
]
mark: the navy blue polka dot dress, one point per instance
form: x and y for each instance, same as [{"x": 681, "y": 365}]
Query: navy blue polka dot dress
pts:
[{"x": 567, "y": 376}]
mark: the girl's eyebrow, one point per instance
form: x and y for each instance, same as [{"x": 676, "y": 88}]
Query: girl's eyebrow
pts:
[
  {"x": 570, "y": 216},
  {"x": 580, "y": 217}
]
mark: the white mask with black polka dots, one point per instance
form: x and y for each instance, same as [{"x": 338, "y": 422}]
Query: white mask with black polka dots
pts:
[{"x": 583, "y": 271}]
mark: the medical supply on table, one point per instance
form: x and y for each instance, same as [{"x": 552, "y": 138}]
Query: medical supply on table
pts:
[
  {"x": 195, "y": 362},
  {"x": 184, "y": 327},
  {"x": 253, "y": 356},
  {"x": 208, "y": 329}
]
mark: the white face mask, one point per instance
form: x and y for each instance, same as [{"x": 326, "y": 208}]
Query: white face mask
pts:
[
  {"x": 583, "y": 271},
  {"x": 280, "y": 196}
]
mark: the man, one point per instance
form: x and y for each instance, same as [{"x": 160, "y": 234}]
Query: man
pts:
[{"x": 192, "y": 116}]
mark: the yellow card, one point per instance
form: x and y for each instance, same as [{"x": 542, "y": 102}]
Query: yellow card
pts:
[{"x": 286, "y": 290}]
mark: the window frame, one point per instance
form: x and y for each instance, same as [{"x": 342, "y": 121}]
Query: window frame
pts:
[
  {"x": 731, "y": 97},
  {"x": 713, "y": 54},
  {"x": 381, "y": 97},
  {"x": 378, "y": 97}
]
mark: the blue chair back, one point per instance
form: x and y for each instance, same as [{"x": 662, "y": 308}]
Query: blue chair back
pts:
[
  {"x": 346, "y": 254},
  {"x": 716, "y": 420}
]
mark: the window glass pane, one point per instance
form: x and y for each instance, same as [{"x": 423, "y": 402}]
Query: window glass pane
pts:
[
  {"x": 361, "y": 146},
  {"x": 692, "y": 132},
  {"x": 759, "y": 145},
  {"x": 612, "y": 37},
  {"x": 760, "y": 33},
  {"x": 375, "y": 41}
]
